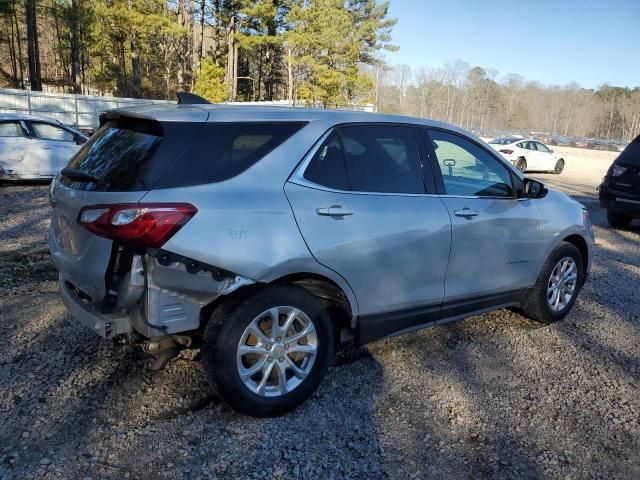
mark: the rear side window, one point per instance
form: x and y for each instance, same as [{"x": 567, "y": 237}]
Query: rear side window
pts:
[
  {"x": 130, "y": 154},
  {"x": 10, "y": 129},
  {"x": 327, "y": 165},
  {"x": 382, "y": 159},
  {"x": 223, "y": 150}
]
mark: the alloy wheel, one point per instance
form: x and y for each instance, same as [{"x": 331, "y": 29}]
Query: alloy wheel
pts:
[
  {"x": 562, "y": 284},
  {"x": 277, "y": 351}
]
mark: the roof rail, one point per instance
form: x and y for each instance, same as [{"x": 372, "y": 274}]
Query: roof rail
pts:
[{"x": 190, "y": 98}]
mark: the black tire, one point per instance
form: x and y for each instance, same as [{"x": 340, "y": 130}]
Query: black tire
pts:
[
  {"x": 521, "y": 165},
  {"x": 225, "y": 330},
  {"x": 559, "y": 167},
  {"x": 618, "y": 220},
  {"x": 536, "y": 305}
]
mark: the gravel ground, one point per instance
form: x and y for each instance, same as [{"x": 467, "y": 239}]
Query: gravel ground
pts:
[{"x": 493, "y": 396}]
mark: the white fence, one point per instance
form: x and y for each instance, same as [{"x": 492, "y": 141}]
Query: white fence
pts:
[{"x": 81, "y": 111}]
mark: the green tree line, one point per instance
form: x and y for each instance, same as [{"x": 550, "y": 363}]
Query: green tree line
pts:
[{"x": 306, "y": 51}]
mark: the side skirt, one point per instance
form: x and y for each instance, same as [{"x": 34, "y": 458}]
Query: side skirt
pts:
[{"x": 388, "y": 324}]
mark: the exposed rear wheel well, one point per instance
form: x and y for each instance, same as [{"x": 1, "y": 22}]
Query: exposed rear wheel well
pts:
[
  {"x": 327, "y": 291},
  {"x": 581, "y": 244}
]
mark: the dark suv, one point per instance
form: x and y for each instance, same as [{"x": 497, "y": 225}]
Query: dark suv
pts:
[{"x": 620, "y": 188}]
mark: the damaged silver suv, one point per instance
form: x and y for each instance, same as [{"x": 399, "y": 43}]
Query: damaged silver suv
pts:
[{"x": 269, "y": 236}]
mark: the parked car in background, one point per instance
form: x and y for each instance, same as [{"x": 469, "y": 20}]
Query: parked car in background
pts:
[
  {"x": 620, "y": 189},
  {"x": 273, "y": 234},
  {"x": 559, "y": 140},
  {"x": 33, "y": 148},
  {"x": 581, "y": 143},
  {"x": 529, "y": 155}
]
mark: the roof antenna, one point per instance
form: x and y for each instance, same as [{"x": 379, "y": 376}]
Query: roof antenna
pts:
[{"x": 187, "y": 98}]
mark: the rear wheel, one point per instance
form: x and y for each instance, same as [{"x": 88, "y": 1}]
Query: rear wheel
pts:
[
  {"x": 521, "y": 165},
  {"x": 618, "y": 220},
  {"x": 559, "y": 167},
  {"x": 557, "y": 286},
  {"x": 270, "y": 352}
]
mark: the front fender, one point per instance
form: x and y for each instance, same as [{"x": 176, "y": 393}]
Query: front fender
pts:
[{"x": 561, "y": 217}]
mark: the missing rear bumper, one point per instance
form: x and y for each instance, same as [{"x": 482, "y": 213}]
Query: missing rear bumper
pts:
[{"x": 107, "y": 325}]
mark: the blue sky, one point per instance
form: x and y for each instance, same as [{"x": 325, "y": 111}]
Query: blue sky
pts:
[{"x": 554, "y": 42}]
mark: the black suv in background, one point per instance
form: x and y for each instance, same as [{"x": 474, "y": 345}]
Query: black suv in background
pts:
[{"x": 620, "y": 188}]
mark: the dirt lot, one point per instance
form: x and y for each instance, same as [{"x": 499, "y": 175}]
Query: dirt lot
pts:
[{"x": 494, "y": 396}]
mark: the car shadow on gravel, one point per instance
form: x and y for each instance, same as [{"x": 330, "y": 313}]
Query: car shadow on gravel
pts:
[
  {"x": 458, "y": 412},
  {"x": 331, "y": 435},
  {"x": 61, "y": 393}
]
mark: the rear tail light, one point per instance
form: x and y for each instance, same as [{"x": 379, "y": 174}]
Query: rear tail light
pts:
[
  {"x": 506, "y": 151},
  {"x": 145, "y": 224},
  {"x": 617, "y": 170}
]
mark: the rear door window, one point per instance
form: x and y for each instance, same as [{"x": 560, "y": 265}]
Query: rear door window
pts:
[
  {"x": 11, "y": 129},
  {"x": 381, "y": 158}
]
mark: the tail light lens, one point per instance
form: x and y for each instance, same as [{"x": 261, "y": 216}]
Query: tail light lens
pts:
[
  {"x": 145, "y": 224},
  {"x": 506, "y": 151}
]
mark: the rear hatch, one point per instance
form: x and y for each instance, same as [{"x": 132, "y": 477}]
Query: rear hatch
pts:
[
  {"x": 120, "y": 163},
  {"x": 628, "y": 163}
]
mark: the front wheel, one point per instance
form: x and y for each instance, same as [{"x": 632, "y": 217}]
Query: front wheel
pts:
[
  {"x": 618, "y": 220},
  {"x": 270, "y": 352},
  {"x": 557, "y": 286},
  {"x": 559, "y": 167}
]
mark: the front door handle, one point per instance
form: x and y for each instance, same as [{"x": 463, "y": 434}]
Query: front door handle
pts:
[
  {"x": 333, "y": 211},
  {"x": 466, "y": 213}
]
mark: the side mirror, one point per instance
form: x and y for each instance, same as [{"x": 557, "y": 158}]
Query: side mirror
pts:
[
  {"x": 79, "y": 140},
  {"x": 550, "y": 150},
  {"x": 533, "y": 189}
]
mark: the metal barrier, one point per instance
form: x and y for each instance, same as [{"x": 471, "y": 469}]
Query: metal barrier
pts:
[{"x": 81, "y": 111}]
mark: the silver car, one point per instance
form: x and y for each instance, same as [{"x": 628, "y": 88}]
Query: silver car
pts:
[
  {"x": 33, "y": 148},
  {"x": 269, "y": 236}
]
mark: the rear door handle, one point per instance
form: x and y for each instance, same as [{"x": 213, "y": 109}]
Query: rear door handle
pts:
[
  {"x": 465, "y": 212},
  {"x": 333, "y": 211}
]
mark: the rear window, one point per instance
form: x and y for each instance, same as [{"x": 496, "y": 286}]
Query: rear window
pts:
[
  {"x": 223, "y": 150},
  {"x": 130, "y": 154},
  {"x": 631, "y": 154}
]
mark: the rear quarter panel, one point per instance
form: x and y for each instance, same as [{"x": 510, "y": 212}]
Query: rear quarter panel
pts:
[{"x": 245, "y": 224}]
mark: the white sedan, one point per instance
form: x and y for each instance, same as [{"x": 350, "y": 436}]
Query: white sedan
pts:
[
  {"x": 529, "y": 155},
  {"x": 33, "y": 148}
]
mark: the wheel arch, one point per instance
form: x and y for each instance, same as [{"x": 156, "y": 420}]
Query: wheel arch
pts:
[
  {"x": 337, "y": 298},
  {"x": 581, "y": 244}
]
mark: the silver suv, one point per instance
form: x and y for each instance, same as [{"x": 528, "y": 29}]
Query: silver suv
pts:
[{"x": 269, "y": 236}]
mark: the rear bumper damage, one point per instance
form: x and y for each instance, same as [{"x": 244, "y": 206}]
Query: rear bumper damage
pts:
[{"x": 162, "y": 294}]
